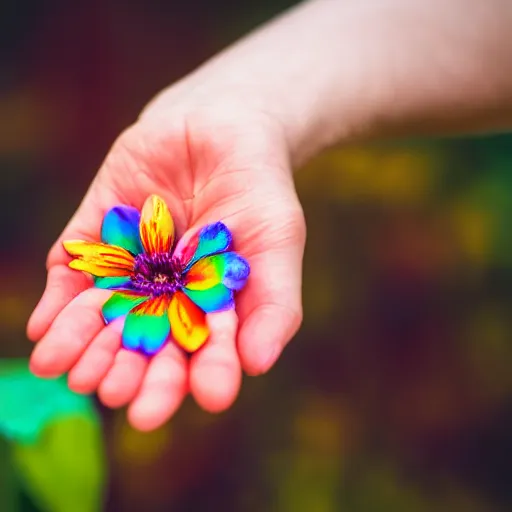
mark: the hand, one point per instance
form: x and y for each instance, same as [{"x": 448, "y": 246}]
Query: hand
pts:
[{"x": 209, "y": 161}]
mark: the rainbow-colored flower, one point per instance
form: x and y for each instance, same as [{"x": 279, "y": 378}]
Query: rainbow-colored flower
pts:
[{"x": 159, "y": 290}]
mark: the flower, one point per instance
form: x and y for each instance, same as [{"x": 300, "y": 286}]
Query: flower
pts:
[{"x": 158, "y": 290}]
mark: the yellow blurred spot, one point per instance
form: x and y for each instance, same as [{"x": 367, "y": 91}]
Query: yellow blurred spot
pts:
[
  {"x": 319, "y": 427},
  {"x": 320, "y": 295},
  {"x": 475, "y": 232},
  {"x": 490, "y": 351},
  {"x": 25, "y": 123},
  {"x": 353, "y": 174},
  {"x": 13, "y": 311},
  {"x": 307, "y": 477},
  {"x": 141, "y": 448}
]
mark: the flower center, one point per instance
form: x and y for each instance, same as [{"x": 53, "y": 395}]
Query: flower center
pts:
[{"x": 157, "y": 274}]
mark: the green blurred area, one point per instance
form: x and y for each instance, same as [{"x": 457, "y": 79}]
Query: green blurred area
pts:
[{"x": 396, "y": 395}]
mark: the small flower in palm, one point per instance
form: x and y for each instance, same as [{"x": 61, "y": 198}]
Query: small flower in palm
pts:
[{"x": 159, "y": 290}]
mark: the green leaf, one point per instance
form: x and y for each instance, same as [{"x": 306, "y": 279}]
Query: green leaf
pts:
[
  {"x": 64, "y": 470},
  {"x": 28, "y": 404},
  {"x": 55, "y": 440}
]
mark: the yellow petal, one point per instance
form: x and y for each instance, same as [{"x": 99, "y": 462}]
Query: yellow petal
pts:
[
  {"x": 99, "y": 259},
  {"x": 98, "y": 270},
  {"x": 188, "y": 323},
  {"x": 156, "y": 226}
]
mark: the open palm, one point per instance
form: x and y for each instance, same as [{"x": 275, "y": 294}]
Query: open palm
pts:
[{"x": 217, "y": 164}]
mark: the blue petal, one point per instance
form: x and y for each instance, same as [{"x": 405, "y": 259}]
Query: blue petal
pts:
[
  {"x": 121, "y": 227},
  {"x": 216, "y": 298},
  {"x": 236, "y": 270},
  {"x": 212, "y": 239},
  {"x": 228, "y": 268},
  {"x": 146, "y": 331}
]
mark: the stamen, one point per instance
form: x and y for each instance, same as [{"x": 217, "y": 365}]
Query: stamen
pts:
[{"x": 157, "y": 274}]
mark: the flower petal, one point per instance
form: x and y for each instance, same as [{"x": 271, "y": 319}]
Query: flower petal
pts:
[
  {"x": 188, "y": 323},
  {"x": 227, "y": 268},
  {"x": 120, "y": 304},
  {"x": 156, "y": 226},
  {"x": 211, "y": 239},
  {"x": 147, "y": 326},
  {"x": 121, "y": 227},
  {"x": 113, "y": 283},
  {"x": 216, "y": 298},
  {"x": 98, "y": 259}
]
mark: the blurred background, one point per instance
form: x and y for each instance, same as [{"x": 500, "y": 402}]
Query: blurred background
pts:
[{"x": 396, "y": 395}]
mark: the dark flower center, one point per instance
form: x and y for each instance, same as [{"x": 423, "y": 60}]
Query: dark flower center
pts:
[{"x": 157, "y": 274}]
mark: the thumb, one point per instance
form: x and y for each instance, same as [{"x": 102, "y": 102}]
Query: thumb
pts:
[{"x": 271, "y": 305}]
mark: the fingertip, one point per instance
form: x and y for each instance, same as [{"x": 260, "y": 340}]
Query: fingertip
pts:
[
  {"x": 263, "y": 336},
  {"x": 262, "y": 361},
  {"x": 147, "y": 415},
  {"x": 123, "y": 380},
  {"x": 163, "y": 390},
  {"x": 44, "y": 362},
  {"x": 215, "y": 372},
  {"x": 216, "y": 387},
  {"x": 80, "y": 388},
  {"x": 111, "y": 395},
  {"x": 33, "y": 332},
  {"x": 81, "y": 383},
  {"x": 39, "y": 321}
]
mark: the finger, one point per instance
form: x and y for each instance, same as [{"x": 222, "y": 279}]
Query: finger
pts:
[
  {"x": 270, "y": 308},
  {"x": 164, "y": 388},
  {"x": 87, "y": 374},
  {"x": 73, "y": 329},
  {"x": 62, "y": 286},
  {"x": 63, "y": 283},
  {"x": 215, "y": 371},
  {"x": 124, "y": 379}
]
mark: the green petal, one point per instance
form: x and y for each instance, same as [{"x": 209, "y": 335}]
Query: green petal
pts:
[
  {"x": 147, "y": 327},
  {"x": 216, "y": 298},
  {"x": 120, "y": 304},
  {"x": 113, "y": 283}
]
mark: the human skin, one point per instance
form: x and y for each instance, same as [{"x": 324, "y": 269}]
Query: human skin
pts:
[{"x": 221, "y": 145}]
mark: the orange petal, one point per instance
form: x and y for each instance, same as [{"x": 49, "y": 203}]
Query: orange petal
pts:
[
  {"x": 156, "y": 226},
  {"x": 99, "y": 259},
  {"x": 154, "y": 307},
  {"x": 188, "y": 323}
]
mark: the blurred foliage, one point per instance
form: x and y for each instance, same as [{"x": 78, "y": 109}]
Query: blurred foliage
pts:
[
  {"x": 397, "y": 392},
  {"x": 310, "y": 475},
  {"x": 54, "y": 442},
  {"x": 8, "y": 484},
  {"x": 28, "y": 404},
  {"x": 64, "y": 471}
]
